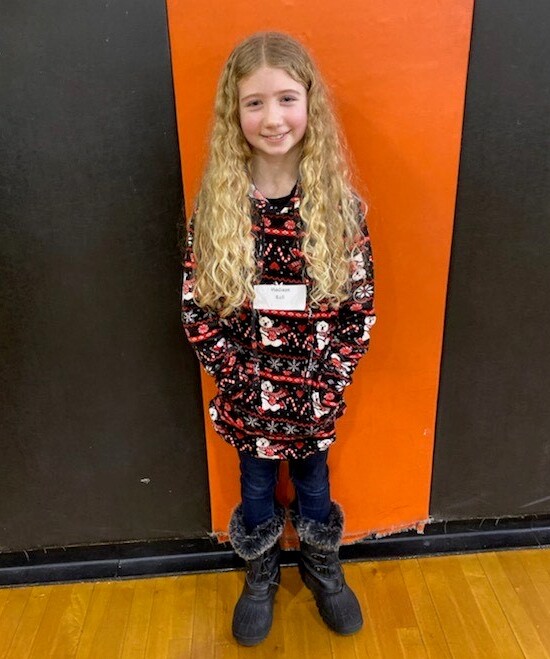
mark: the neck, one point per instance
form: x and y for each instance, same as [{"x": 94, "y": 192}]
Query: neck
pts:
[{"x": 274, "y": 178}]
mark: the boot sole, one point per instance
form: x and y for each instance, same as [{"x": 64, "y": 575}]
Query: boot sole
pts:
[{"x": 249, "y": 642}]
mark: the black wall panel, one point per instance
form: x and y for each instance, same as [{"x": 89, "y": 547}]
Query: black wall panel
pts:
[
  {"x": 492, "y": 453},
  {"x": 100, "y": 410}
]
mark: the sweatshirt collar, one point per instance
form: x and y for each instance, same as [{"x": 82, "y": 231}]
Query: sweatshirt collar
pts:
[{"x": 294, "y": 203}]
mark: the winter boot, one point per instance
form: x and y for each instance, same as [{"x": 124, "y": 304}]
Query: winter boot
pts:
[
  {"x": 322, "y": 571},
  {"x": 253, "y": 613}
]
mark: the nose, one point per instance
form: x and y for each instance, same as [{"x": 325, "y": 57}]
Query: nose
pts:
[{"x": 273, "y": 115}]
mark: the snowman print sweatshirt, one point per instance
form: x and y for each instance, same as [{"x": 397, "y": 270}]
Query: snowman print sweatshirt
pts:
[{"x": 281, "y": 374}]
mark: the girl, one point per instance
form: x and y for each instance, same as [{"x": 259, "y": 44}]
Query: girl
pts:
[{"x": 278, "y": 304}]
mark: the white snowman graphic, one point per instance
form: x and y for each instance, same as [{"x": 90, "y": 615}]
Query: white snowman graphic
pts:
[
  {"x": 187, "y": 288},
  {"x": 220, "y": 345},
  {"x": 271, "y": 399},
  {"x": 321, "y": 336},
  {"x": 318, "y": 408},
  {"x": 270, "y": 334},
  {"x": 369, "y": 322},
  {"x": 343, "y": 367},
  {"x": 264, "y": 449},
  {"x": 323, "y": 444},
  {"x": 358, "y": 267}
]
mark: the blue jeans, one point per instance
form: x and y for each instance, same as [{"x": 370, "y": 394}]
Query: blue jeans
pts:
[{"x": 259, "y": 479}]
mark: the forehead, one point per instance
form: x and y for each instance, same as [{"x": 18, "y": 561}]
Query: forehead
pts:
[{"x": 268, "y": 80}]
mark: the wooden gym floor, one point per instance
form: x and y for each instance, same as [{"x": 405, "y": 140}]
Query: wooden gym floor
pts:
[{"x": 487, "y": 605}]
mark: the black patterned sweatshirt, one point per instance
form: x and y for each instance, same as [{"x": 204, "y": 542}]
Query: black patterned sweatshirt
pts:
[{"x": 281, "y": 374}]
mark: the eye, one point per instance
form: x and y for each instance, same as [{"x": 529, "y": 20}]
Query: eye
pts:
[
  {"x": 288, "y": 99},
  {"x": 252, "y": 104}
]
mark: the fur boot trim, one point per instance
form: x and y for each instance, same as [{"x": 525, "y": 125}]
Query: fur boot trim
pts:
[
  {"x": 263, "y": 537},
  {"x": 325, "y": 536}
]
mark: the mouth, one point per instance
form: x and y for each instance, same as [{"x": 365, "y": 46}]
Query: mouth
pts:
[{"x": 275, "y": 138}]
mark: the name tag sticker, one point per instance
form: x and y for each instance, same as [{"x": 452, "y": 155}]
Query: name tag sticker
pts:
[{"x": 287, "y": 297}]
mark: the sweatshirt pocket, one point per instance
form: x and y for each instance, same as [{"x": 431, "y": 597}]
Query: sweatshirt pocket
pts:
[
  {"x": 327, "y": 398},
  {"x": 237, "y": 378}
]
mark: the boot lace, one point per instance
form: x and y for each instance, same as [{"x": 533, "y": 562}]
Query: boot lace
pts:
[
  {"x": 326, "y": 564},
  {"x": 261, "y": 570}
]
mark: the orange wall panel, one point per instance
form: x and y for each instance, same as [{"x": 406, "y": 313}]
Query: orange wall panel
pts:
[{"x": 397, "y": 71}]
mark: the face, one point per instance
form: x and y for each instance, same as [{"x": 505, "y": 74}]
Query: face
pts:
[{"x": 273, "y": 113}]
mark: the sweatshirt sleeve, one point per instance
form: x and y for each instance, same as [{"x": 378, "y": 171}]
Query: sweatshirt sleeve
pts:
[
  {"x": 204, "y": 328},
  {"x": 356, "y": 317}
]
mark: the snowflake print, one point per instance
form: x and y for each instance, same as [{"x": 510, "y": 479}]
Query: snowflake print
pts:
[
  {"x": 275, "y": 363},
  {"x": 291, "y": 430},
  {"x": 251, "y": 422},
  {"x": 189, "y": 316},
  {"x": 369, "y": 290},
  {"x": 362, "y": 293},
  {"x": 272, "y": 426},
  {"x": 294, "y": 366}
]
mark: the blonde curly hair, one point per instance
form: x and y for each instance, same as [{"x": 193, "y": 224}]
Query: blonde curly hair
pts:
[{"x": 331, "y": 214}]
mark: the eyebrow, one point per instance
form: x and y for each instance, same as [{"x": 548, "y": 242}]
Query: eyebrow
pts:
[{"x": 282, "y": 91}]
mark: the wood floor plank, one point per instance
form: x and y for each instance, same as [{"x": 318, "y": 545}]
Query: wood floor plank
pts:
[
  {"x": 226, "y": 651},
  {"x": 399, "y": 601},
  {"x": 537, "y": 569},
  {"x": 368, "y": 639},
  {"x": 450, "y": 607},
  {"x": 164, "y": 617},
  {"x": 466, "y": 632},
  {"x": 4, "y": 595},
  {"x": 185, "y": 587},
  {"x": 305, "y": 633},
  {"x": 47, "y": 630},
  {"x": 139, "y": 617},
  {"x": 15, "y": 603},
  {"x": 412, "y": 643},
  {"x": 381, "y": 583},
  {"x": 491, "y": 610},
  {"x": 204, "y": 621},
  {"x": 179, "y": 648},
  {"x": 111, "y": 632},
  {"x": 171, "y": 614},
  {"x": 527, "y": 592},
  {"x": 229, "y": 587},
  {"x": 60, "y": 626},
  {"x": 351, "y": 647},
  {"x": 29, "y": 623},
  {"x": 355, "y": 646},
  {"x": 400, "y": 613},
  {"x": 426, "y": 615},
  {"x": 98, "y": 605},
  {"x": 513, "y": 607},
  {"x": 544, "y": 553}
]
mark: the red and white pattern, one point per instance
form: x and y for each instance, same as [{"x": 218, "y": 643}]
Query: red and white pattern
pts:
[{"x": 281, "y": 374}]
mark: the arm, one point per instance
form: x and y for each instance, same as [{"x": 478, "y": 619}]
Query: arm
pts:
[
  {"x": 355, "y": 318},
  {"x": 203, "y": 327}
]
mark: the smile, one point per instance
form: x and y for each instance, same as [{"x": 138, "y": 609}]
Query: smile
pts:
[{"x": 275, "y": 138}]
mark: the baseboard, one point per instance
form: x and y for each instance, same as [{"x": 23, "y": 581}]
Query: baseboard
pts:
[{"x": 169, "y": 557}]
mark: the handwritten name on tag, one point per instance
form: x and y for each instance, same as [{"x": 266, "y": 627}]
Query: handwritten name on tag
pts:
[{"x": 280, "y": 296}]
